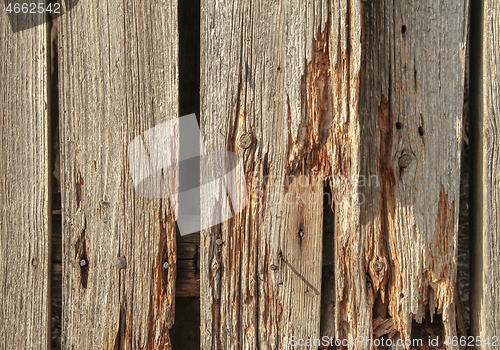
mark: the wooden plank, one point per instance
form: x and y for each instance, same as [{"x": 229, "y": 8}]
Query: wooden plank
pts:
[
  {"x": 261, "y": 284},
  {"x": 118, "y": 78},
  {"x": 485, "y": 104},
  {"x": 188, "y": 282},
  {"x": 24, "y": 184},
  {"x": 186, "y": 250},
  {"x": 396, "y": 249}
]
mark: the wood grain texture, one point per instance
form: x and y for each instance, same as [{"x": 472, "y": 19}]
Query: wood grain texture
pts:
[
  {"x": 368, "y": 94},
  {"x": 411, "y": 97},
  {"x": 118, "y": 78},
  {"x": 262, "y": 284},
  {"x": 24, "y": 186},
  {"x": 396, "y": 251},
  {"x": 187, "y": 283},
  {"x": 485, "y": 305}
]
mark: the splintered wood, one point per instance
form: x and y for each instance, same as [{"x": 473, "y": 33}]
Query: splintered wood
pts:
[
  {"x": 365, "y": 94},
  {"x": 263, "y": 284},
  {"x": 411, "y": 98}
]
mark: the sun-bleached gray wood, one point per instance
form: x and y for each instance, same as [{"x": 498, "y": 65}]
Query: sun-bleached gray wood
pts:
[
  {"x": 485, "y": 284},
  {"x": 118, "y": 78},
  {"x": 369, "y": 94},
  {"x": 262, "y": 284},
  {"x": 24, "y": 185},
  {"x": 404, "y": 237}
]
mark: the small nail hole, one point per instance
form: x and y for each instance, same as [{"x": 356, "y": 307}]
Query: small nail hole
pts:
[
  {"x": 399, "y": 126},
  {"x": 279, "y": 69},
  {"x": 403, "y": 29},
  {"x": 401, "y": 296},
  {"x": 421, "y": 131}
]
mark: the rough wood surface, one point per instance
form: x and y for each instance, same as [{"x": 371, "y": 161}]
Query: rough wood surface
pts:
[
  {"x": 187, "y": 282},
  {"x": 396, "y": 249},
  {"x": 370, "y": 95},
  {"x": 410, "y": 111},
  {"x": 485, "y": 305},
  {"x": 24, "y": 186},
  {"x": 262, "y": 284},
  {"x": 118, "y": 78}
]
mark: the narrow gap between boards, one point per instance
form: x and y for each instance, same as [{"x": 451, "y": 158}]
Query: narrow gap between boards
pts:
[
  {"x": 55, "y": 176},
  {"x": 185, "y": 333}
]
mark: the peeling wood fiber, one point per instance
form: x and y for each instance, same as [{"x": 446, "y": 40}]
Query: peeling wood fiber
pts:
[
  {"x": 410, "y": 112},
  {"x": 262, "y": 285},
  {"x": 345, "y": 90}
]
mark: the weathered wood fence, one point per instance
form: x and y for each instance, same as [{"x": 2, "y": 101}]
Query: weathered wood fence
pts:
[{"x": 365, "y": 94}]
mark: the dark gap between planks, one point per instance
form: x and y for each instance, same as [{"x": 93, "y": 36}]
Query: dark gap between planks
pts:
[
  {"x": 56, "y": 272},
  {"x": 475, "y": 161},
  {"x": 185, "y": 333}
]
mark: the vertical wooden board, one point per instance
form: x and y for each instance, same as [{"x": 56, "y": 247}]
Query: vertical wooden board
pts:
[
  {"x": 485, "y": 304},
  {"x": 261, "y": 284},
  {"x": 24, "y": 186},
  {"x": 119, "y": 78},
  {"x": 360, "y": 113},
  {"x": 396, "y": 259}
]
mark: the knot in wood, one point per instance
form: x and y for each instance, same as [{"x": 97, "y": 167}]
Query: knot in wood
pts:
[
  {"x": 274, "y": 267},
  {"x": 404, "y": 160},
  {"x": 120, "y": 262},
  {"x": 166, "y": 265},
  {"x": 378, "y": 266},
  {"x": 245, "y": 141}
]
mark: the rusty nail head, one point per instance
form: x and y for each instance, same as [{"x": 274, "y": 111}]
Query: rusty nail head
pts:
[
  {"x": 218, "y": 241},
  {"x": 83, "y": 262},
  {"x": 120, "y": 262},
  {"x": 274, "y": 267},
  {"x": 166, "y": 265},
  {"x": 378, "y": 266},
  {"x": 245, "y": 141},
  {"x": 404, "y": 160},
  {"x": 34, "y": 262}
]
